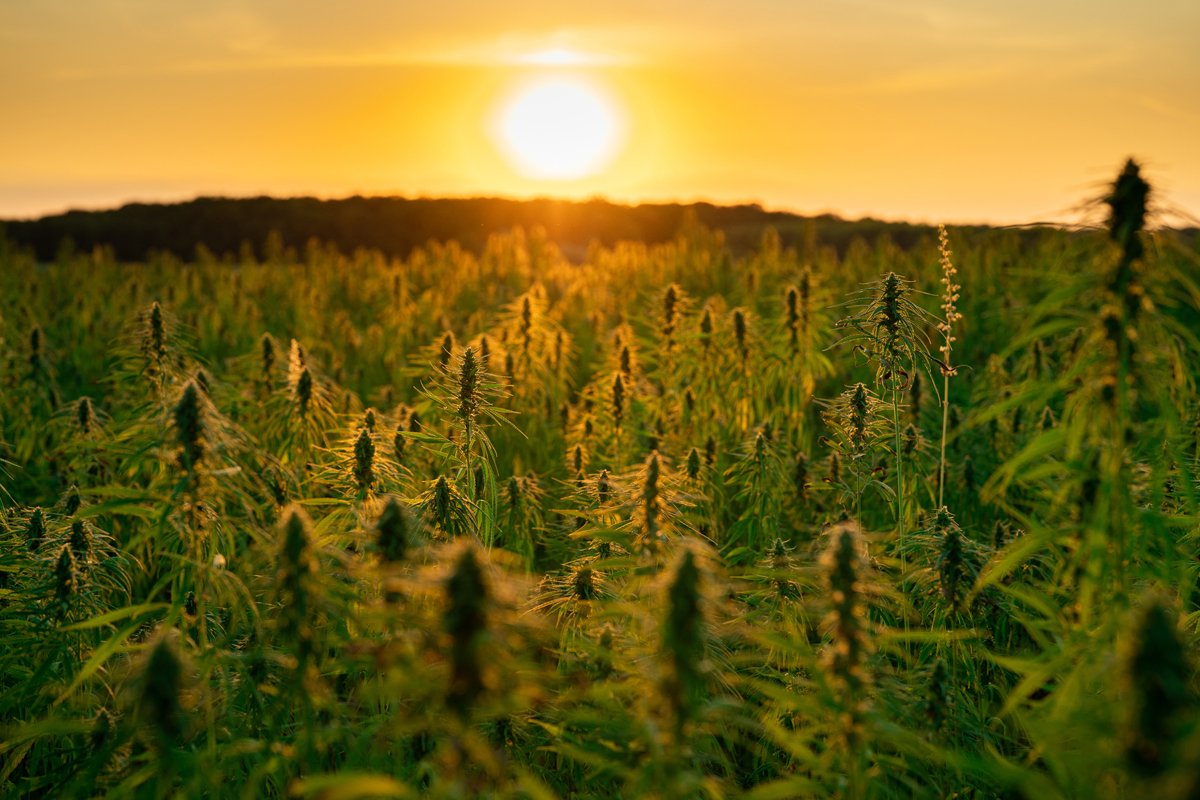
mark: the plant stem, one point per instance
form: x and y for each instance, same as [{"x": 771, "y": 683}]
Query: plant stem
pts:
[
  {"x": 899, "y": 463},
  {"x": 467, "y": 459},
  {"x": 945, "y": 418},
  {"x": 899, "y": 491}
]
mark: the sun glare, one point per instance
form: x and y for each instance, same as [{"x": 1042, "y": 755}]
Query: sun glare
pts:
[
  {"x": 558, "y": 128},
  {"x": 554, "y": 56}
]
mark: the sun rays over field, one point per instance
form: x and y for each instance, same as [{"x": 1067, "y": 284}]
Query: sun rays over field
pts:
[{"x": 968, "y": 112}]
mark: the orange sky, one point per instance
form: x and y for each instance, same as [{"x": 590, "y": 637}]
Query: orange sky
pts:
[{"x": 937, "y": 110}]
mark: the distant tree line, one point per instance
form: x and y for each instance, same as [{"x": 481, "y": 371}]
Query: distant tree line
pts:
[{"x": 395, "y": 226}]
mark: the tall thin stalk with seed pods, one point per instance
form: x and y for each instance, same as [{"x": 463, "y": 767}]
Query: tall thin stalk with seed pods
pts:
[{"x": 945, "y": 327}]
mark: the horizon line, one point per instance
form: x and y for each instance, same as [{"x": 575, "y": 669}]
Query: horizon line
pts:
[{"x": 693, "y": 200}]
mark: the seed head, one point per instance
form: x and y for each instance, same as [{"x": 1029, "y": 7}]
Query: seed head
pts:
[
  {"x": 160, "y": 701},
  {"x": 651, "y": 502},
  {"x": 267, "y": 349},
  {"x": 85, "y": 415},
  {"x": 392, "y": 531},
  {"x": 740, "y": 331},
  {"x": 485, "y": 351},
  {"x": 526, "y": 319},
  {"x": 445, "y": 506},
  {"x": 805, "y": 288},
  {"x": 66, "y": 576},
  {"x": 71, "y": 501},
  {"x": 618, "y": 399},
  {"x": 844, "y": 573},
  {"x": 1001, "y": 532},
  {"x": 791, "y": 303},
  {"x": 670, "y": 301},
  {"x": 603, "y": 487},
  {"x": 760, "y": 448},
  {"x": 80, "y": 541},
  {"x": 706, "y": 328},
  {"x": 188, "y": 418},
  {"x": 446, "y": 350},
  {"x": 800, "y": 475},
  {"x": 154, "y": 342},
  {"x": 950, "y": 290},
  {"x": 36, "y": 532},
  {"x": 515, "y": 495},
  {"x": 297, "y": 568},
  {"x": 626, "y": 360},
  {"x": 304, "y": 392},
  {"x": 296, "y": 357},
  {"x": 1127, "y": 201},
  {"x": 583, "y": 584},
  {"x": 891, "y": 292},
  {"x": 468, "y": 386},
  {"x": 364, "y": 460},
  {"x": 465, "y": 622},
  {"x": 859, "y": 410},
  {"x": 779, "y": 561},
  {"x": 683, "y": 641},
  {"x": 202, "y": 381},
  {"x": 1160, "y": 701},
  {"x": 778, "y": 553},
  {"x": 953, "y": 571}
]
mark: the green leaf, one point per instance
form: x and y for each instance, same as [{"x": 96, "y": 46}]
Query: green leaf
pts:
[
  {"x": 349, "y": 786},
  {"x": 101, "y": 654},
  {"x": 113, "y": 616}
]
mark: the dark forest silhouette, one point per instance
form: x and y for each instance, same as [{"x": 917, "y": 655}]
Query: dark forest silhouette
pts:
[{"x": 395, "y": 226}]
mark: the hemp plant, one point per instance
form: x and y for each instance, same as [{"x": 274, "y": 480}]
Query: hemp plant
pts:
[{"x": 887, "y": 327}]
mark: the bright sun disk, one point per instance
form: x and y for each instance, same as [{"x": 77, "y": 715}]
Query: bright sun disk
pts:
[{"x": 558, "y": 128}]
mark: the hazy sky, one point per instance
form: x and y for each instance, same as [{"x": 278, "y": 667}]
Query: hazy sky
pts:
[{"x": 960, "y": 111}]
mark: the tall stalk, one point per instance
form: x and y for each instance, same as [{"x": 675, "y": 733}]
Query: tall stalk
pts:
[
  {"x": 951, "y": 316},
  {"x": 899, "y": 459},
  {"x": 468, "y": 407}
]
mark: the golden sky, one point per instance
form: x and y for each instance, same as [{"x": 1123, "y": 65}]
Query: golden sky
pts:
[{"x": 940, "y": 111}]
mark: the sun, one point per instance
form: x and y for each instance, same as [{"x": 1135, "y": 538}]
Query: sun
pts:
[{"x": 558, "y": 128}]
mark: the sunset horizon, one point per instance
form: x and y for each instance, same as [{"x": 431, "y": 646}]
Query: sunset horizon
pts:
[
  {"x": 1076, "y": 213},
  {"x": 929, "y": 112}
]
